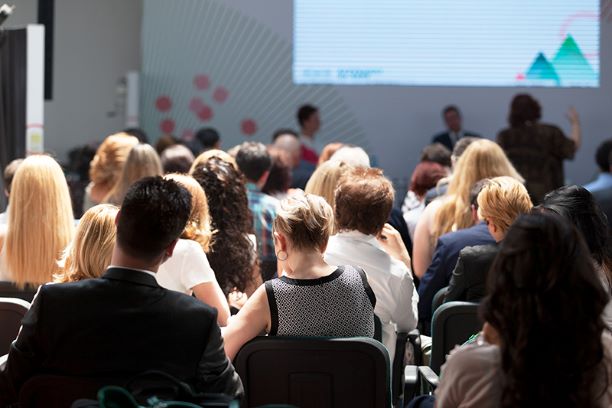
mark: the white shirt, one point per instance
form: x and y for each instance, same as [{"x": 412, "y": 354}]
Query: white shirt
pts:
[
  {"x": 390, "y": 279},
  {"x": 186, "y": 268}
]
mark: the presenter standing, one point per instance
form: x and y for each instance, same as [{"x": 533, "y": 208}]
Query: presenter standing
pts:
[{"x": 454, "y": 132}]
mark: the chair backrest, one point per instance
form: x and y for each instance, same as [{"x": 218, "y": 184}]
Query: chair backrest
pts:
[
  {"x": 10, "y": 290},
  {"x": 438, "y": 299},
  {"x": 55, "y": 391},
  {"x": 12, "y": 311},
  {"x": 453, "y": 323},
  {"x": 315, "y": 372}
]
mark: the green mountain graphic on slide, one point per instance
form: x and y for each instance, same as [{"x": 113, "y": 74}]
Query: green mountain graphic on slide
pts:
[
  {"x": 541, "y": 69},
  {"x": 570, "y": 63}
]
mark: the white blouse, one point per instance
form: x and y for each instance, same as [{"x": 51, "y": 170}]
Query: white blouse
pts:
[{"x": 186, "y": 268}]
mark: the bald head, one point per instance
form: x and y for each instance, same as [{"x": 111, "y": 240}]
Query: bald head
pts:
[{"x": 290, "y": 144}]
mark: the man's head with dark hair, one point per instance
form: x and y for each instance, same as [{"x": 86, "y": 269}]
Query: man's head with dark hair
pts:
[
  {"x": 474, "y": 191},
  {"x": 209, "y": 138},
  {"x": 9, "y": 173},
  {"x": 138, "y": 133},
  {"x": 603, "y": 155},
  {"x": 254, "y": 161},
  {"x": 452, "y": 118},
  {"x": 437, "y": 153},
  {"x": 308, "y": 118},
  {"x": 153, "y": 215},
  {"x": 524, "y": 108},
  {"x": 284, "y": 131}
]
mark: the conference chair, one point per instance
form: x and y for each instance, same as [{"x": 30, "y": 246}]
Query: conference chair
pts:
[
  {"x": 12, "y": 311},
  {"x": 438, "y": 299},
  {"x": 315, "y": 372},
  {"x": 10, "y": 290}
]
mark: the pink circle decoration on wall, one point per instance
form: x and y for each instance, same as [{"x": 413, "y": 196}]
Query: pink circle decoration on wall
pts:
[
  {"x": 205, "y": 113},
  {"x": 163, "y": 103},
  {"x": 167, "y": 126},
  {"x": 220, "y": 94},
  {"x": 201, "y": 82},
  {"x": 248, "y": 127},
  {"x": 196, "y": 104},
  {"x": 187, "y": 135}
]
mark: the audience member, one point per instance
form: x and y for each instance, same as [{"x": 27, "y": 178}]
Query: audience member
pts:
[
  {"x": 208, "y": 138},
  {"x": 579, "y": 207},
  {"x": 604, "y": 198},
  {"x": 91, "y": 250},
  {"x": 142, "y": 161},
  {"x": 325, "y": 179},
  {"x": 500, "y": 202},
  {"x": 482, "y": 159},
  {"x": 105, "y": 168},
  {"x": 164, "y": 142},
  {"x": 437, "y": 153},
  {"x": 352, "y": 155},
  {"x": 232, "y": 255},
  {"x": 544, "y": 341},
  {"x": 209, "y": 154},
  {"x": 424, "y": 177},
  {"x": 40, "y": 223},
  {"x": 310, "y": 123},
  {"x": 8, "y": 174},
  {"x": 537, "y": 150},
  {"x": 454, "y": 129},
  {"x": 439, "y": 271},
  {"x": 299, "y": 303},
  {"x": 279, "y": 179},
  {"x": 254, "y": 161},
  {"x": 188, "y": 270},
  {"x": 328, "y": 151},
  {"x": 364, "y": 199},
  {"x": 301, "y": 170},
  {"x": 124, "y": 305},
  {"x": 284, "y": 131},
  {"x": 176, "y": 159},
  {"x": 138, "y": 133},
  {"x": 604, "y": 179}
]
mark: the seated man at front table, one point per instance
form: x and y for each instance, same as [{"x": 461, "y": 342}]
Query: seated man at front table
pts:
[
  {"x": 124, "y": 323},
  {"x": 454, "y": 132}
]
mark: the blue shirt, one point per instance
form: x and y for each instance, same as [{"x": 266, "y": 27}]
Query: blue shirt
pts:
[
  {"x": 263, "y": 208},
  {"x": 602, "y": 182}
]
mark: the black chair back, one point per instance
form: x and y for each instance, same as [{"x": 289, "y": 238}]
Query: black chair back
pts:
[
  {"x": 12, "y": 311},
  {"x": 10, "y": 290},
  {"x": 56, "y": 391},
  {"x": 315, "y": 372},
  {"x": 453, "y": 323}
]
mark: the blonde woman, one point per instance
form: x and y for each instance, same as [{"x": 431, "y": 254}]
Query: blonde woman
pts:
[
  {"x": 209, "y": 154},
  {"x": 188, "y": 269},
  {"x": 142, "y": 161},
  {"x": 41, "y": 223},
  {"x": 89, "y": 254},
  {"x": 106, "y": 166},
  {"x": 482, "y": 159},
  {"x": 324, "y": 180},
  {"x": 300, "y": 299}
]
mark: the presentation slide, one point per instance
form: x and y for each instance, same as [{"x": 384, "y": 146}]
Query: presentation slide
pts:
[{"x": 552, "y": 43}]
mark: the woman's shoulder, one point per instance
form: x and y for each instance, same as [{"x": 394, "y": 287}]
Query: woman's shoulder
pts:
[{"x": 475, "y": 357}]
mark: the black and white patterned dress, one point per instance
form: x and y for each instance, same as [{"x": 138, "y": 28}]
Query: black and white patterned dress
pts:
[{"x": 338, "y": 305}]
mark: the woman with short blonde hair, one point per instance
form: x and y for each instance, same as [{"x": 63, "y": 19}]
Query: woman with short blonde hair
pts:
[
  {"x": 41, "y": 222},
  {"x": 90, "y": 253},
  {"x": 501, "y": 201},
  {"x": 324, "y": 180},
  {"x": 142, "y": 161},
  {"x": 482, "y": 159}
]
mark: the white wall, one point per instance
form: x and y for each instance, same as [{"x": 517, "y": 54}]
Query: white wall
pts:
[{"x": 96, "y": 42}]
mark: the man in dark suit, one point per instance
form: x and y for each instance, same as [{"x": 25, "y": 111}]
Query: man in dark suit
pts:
[
  {"x": 124, "y": 323},
  {"x": 454, "y": 132}
]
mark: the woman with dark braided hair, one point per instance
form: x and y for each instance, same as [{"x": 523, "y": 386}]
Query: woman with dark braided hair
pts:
[
  {"x": 545, "y": 344},
  {"x": 231, "y": 255}
]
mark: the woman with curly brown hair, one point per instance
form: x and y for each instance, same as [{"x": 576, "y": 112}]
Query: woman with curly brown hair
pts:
[
  {"x": 545, "y": 343},
  {"x": 232, "y": 255}
]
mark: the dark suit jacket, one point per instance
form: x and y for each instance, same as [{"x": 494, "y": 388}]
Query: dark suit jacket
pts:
[
  {"x": 116, "y": 327},
  {"x": 442, "y": 264},
  {"x": 445, "y": 139},
  {"x": 468, "y": 282},
  {"x": 604, "y": 199}
]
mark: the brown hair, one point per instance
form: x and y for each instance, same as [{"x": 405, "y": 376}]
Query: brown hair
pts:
[
  {"x": 364, "y": 199},
  {"x": 502, "y": 200},
  {"x": 107, "y": 164}
]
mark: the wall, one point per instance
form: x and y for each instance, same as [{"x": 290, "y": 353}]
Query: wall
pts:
[
  {"x": 95, "y": 43},
  {"x": 245, "y": 46}
]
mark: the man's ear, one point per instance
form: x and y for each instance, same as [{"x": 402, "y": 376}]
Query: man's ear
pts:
[
  {"x": 170, "y": 248},
  {"x": 262, "y": 180}
]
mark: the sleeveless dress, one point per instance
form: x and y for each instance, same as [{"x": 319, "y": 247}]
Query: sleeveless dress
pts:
[{"x": 338, "y": 305}]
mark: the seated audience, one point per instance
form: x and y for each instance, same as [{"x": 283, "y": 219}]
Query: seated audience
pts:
[
  {"x": 500, "y": 202},
  {"x": 545, "y": 344},
  {"x": 301, "y": 170},
  {"x": 537, "y": 150},
  {"x": 254, "y": 162},
  {"x": 364, "y": 199},
  {"x": 313, "y": 298},
  {"x": 482, "y": 159},
  {"x": 8, "y": 174},
  {"x": 324, "y": 180},
  {"x": 328, "y": 151},
  {"x": 105, "y": 168},
  {"x": 445, "y": 256},
  {"x": 424, "y": 177},
  {"x": 176, "y": 159},
  {"x": 40, "y": 223},
  {"x": 208, "y": 139},
  {"x": 188, "y": 270},
  {"x": 279, "y": 180},
  {"x": 133, "y": 324},
  {"x": 142, "y": 161},
  {"x": 310, "y": 123},
  {"x": 233, "y": 254},
  {"x": 164, "y": 142},
  {"x": 437, "y": 153},
  {"x": 604, "y": 178},
  {"x": 91, "y": 250},
  {"x": 579, "y": 207},
  {"x": 454, "y": 132}
]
